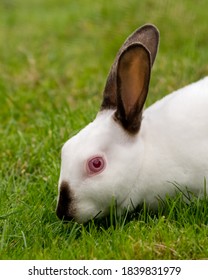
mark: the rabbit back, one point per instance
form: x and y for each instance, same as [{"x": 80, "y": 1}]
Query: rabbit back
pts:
[{"x": 175, "y": 136}]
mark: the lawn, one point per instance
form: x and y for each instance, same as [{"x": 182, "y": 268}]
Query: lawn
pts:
[{"x": 54, "y": 60}]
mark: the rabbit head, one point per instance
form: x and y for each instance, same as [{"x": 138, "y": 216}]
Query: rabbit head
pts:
[{"x": 101, "y": 163}]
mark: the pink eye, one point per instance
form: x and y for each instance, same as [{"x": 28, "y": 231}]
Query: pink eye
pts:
[{"x": 95, "y": 165}]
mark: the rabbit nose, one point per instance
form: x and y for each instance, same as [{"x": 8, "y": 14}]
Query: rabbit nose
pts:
[{"x": 65, "y": 208}]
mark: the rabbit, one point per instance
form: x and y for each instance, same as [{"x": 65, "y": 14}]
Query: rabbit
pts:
[{"x": 130, "y": 155}]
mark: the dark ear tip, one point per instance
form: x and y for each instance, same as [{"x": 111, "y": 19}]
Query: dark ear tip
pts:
[
  {"x": 154, "y": 30},
  {"x": 151, "y": 27},
  {"x": 148, "y": 35},
  {"x": 147, "y": 30}
]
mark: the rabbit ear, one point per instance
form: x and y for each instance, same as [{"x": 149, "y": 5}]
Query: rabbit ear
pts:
[
  {"x": 133, "y": 76},
  {"x": 148, "y": 36}
]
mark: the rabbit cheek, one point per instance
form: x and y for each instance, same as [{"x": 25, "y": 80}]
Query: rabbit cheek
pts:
[{"x": 65, "y": 208}]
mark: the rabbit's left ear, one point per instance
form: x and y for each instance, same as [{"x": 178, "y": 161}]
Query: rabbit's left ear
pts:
[{"x": 133, "y": 76}]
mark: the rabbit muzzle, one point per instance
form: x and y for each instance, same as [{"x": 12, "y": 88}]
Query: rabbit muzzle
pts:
[{"x": 65, "y": 209}]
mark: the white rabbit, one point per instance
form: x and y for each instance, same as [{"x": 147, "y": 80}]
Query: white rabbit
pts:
[{"x": 131, "y": 156}]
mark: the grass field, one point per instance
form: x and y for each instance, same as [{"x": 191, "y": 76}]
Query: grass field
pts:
[{"x": 54, "y": 59}]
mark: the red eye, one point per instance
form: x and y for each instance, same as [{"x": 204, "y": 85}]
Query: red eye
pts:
[{"x": 95, "y": 165}]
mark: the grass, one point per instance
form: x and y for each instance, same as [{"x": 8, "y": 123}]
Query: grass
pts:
[{"x": 54, "y": 59}]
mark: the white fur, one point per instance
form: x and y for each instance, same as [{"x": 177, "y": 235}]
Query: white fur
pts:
[
  {"x": 175, "y": 138},
  {"x": 171, "y": 146}
]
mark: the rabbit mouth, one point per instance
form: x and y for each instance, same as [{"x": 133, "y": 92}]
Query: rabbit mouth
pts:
[{"x": 65, "y": 208}]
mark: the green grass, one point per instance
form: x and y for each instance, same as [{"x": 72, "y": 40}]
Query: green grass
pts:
[{"x": 54, "y": 59}]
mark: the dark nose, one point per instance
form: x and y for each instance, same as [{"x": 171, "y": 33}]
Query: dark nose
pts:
[{"x": 65, "y": 208}]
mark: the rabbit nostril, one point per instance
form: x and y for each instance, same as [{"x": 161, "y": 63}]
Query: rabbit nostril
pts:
[{"x": 65, "y": 209}]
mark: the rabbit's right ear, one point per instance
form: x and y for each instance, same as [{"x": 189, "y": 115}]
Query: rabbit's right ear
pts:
[{"x": 148, "y": 36}]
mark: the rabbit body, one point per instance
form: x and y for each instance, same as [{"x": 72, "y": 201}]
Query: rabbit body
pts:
[
  {"x": 129, "y": 155},
  {"x": 174, "y": 132}
]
